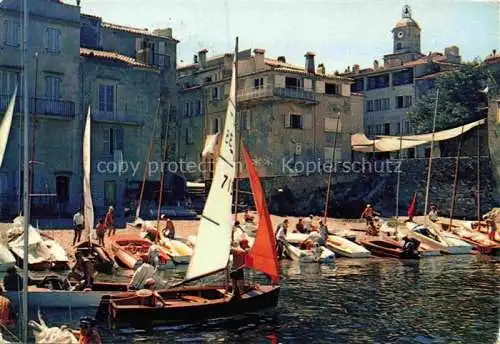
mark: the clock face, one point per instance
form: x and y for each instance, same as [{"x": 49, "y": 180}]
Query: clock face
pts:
[{"x": 400, "y": 34}]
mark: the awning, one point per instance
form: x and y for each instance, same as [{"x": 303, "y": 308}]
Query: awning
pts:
[{"x": 360, "y": 143}]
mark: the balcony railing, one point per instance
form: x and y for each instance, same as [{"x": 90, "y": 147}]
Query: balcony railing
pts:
[
  {"x": 40, "y": 106},
  {"x": 117, "y": 117},
  {"x": 269, "y": 91}
]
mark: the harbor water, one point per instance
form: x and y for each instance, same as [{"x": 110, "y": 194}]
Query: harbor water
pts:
[{"x": 446, "y": 299}]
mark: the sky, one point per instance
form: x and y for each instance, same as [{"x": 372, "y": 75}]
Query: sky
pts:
[{"x": 340, "y": 32}]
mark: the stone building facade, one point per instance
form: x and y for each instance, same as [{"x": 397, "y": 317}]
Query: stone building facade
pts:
[
  {"x": 493, "y": 63},
  {"x": 287, "y": 114},
  {"x": 392, "y": 88},
  {"x": 126, "y": 75}
]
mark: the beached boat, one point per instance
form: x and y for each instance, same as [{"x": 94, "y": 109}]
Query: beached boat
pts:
[
  {"x": 211, "y": 255},
  {"x": 384, "y": 247},
  {"x": 129, "y": 248},
  {"x": 43, "y": 253},
  {"x": 319, "y": 254},
  {"x": 296, "y": 238},
  {"x": 346, "y": 248},
  {"x": 434, "y": 240},
  {"x": 479, "y": 240}
]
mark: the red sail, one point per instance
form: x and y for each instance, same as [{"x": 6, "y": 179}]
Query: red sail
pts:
[
  {"x": 411, "y": 208},
  {"x": 262, "y": 256}
]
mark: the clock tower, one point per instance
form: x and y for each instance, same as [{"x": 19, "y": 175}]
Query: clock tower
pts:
[{"x": 406, "y": 34}]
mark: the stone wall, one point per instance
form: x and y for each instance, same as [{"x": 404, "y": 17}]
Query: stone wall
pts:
[{"x": 303, "y": 195}]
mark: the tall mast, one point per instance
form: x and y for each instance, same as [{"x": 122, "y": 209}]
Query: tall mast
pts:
[
  {"x": 146, "y": 162},
  {"x": 399, "y": 175},
  {"x": 478, "y": 183},
  {"x": 331, "y": 170},
  {"x": 162, "y": 174},
  {"x": 26, "y": 213},
  {"x": 430, "y": 158},
  {"x": 238, "y": 130},
  {"x": 455, "y": 179}
]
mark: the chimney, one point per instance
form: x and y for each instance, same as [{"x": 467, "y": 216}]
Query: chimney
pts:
[
  {"x": 78, "y": 3},
  {"x": 375, "y": 64},
  {"x": 282, "y": 59},
  {"x": 355, "y": 68},
  {"x": 309, "y": 62},
  {"x": 494, "y": 52},
  {"x": 195, "y": 58},
  {"x": 259, "y": 58},
  {"x": 321, "y": 69},
  {"x": 202, "y": 58}
]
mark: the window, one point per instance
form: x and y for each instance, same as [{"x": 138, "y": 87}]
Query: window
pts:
[
  {"x": 358, "y": 86},
  {"x": 62, "y": 189},
  {"x": 187, "y": 109},
  {"x": 113, "y": 139},
  {"x": 12, "y": 33},
  {"x": 8, "y": 81},
  {"x": 193, "y": 109},
  {"x": 332, "y": 89},
  {"x": 427, "y": 152},
  {"x": 402, "y": 78},
  {"x": 110, "y": 193},
  {"x": 245, "y": 119},
  {"x": 369, "y": 106},
  {"x": 408, "y": 127},
  {"x": 292, "y": 83},
  {"x": 387, "y": 128},
  {"x": 333, "y": 124},
  {"x": 398, "y": 46},
  {"x": 377, "y": 105},
  {"x": 215, "y": 125},
  {"x": 398, "y": 128},
  {"x": 403, "y": 102},
  {"x": 189, "y": 135},
  {"x": 53, "y": 37},
  {"x": 328, "y": 154},
  {"x": 296, "y": 121},
  {"x": 378, "y": 81},
  {"x": 386, "y": 104},
  {"x": 216, "y": 93},
  {"x": 53, "y": 87},
  {"x": 200, "y": 107},
  {"x": 378, "y": 129},
  {"x": 106, "y": 98},
  {"x": 258, "y": 83},
  {"x": 411, "y": 153}
]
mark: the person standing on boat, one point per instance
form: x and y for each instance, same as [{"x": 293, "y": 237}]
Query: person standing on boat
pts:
[
  {"x": 281, "y": 242},
  {"x": 323, "y": 232},
  {"x": 110, "y": 222},
  {"x": 433, "y": 213},
  {"x": 237, "y": 274},
  {"x": 490, "y": 219},
  {"x": 83, "y": 271},
  {"x": 309, "y": 223},
  {"x": 13, "y": 281},
  {"x": 88, "y": 331},
  {"x": 101, "y": 232},
  {"x": 78, "y": 223}
]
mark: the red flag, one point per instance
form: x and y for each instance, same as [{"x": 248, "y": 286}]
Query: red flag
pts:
[
  {"x": 262, "y": 256},
  {"x": 411, "y": 208}
]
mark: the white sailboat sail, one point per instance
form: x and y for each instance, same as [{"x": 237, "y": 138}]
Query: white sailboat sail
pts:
[
  {"x": 88, "y": 211},
  {"x": 213, "y": 241},
  {"x": 5, "y": 125}
]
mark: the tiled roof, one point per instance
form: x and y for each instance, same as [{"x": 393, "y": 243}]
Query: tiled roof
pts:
[
  {"x": 492, "y": 59},
  {"x": 433, "y": 75},
  {"x": 209, "y": 59},
  {"x": 113, "y": 56},
  {"x": 130, "y": 29},
  {"x": 291, "y": 68}
]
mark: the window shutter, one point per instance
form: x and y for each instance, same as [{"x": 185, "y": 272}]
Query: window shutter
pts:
[
  {"x": 58, "y": 41},
  {"x": 307, "y": 84},
  {"x": 105, "y": 141},
  {"x": 320, "y": 86},
  {"x": 7, "y": 32},
  {"x": 138, "y": 45},
  {"x": 307, "y": 121},
  {"x": 120, "y": 135},
  {"x": 286, "y": 118},
  {"x": 102, "y": 96},
  {"x": 279, "y": 81},
  {"x": 109, "y": 98},
  {"x": 161, "y": 47}
]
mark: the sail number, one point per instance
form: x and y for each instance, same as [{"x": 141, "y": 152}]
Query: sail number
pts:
[{"x": 227, "y": 182}]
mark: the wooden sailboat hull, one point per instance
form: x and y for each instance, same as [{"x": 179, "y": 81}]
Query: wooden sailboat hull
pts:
[
  {"x": 346, "y": 248},
  {"x": 186, "y": 305},
  {"x": 386, "y": 248}
]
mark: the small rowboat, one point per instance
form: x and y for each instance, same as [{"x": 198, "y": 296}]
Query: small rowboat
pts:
[
  {"x": 346, "y": 248},
  {"x": 129, "y": 248},
  {"x": 317, "y": 255},
  {"x": 386, "y": 248}
]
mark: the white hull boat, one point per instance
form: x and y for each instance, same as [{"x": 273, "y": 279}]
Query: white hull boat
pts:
[
  {"x": 346, "y": 248},
  {"x": 440, "y": 244},
  {"x": 296, "y": 238},
  {"x": 317, "y": 255},
  {"x": 58, "y": 298}
]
